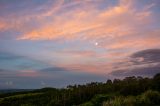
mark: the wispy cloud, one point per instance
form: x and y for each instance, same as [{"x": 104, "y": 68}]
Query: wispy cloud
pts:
[
  {"x": 84, "y": 20},
  {"x": 90, "y": 22}
]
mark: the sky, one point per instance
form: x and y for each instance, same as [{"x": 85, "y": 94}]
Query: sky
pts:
[{"x": 54, "y": 43}]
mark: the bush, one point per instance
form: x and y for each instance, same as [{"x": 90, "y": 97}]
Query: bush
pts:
[{"x": 149, "y": 98}]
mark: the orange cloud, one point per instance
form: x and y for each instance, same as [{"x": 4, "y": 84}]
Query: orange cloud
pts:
[
  {"x": 28, "y": 73},
  {"x": 120, "y": 20},
  {"x": 90, "y": 68},
  {"x": 150, "y": 40},
  {"x": 2, "y": 25},
  {"x": 20, "y": 22},
  {"x": 86, "y": 22},
  {"x": 80, "y": 53}
]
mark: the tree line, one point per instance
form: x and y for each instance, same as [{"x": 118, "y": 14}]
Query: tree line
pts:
[{"x": 74, "y": 95}]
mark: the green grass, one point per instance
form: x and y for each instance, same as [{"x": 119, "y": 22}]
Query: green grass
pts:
[{"x": 149, "y": 98}]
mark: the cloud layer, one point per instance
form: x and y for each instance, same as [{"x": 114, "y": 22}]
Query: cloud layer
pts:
[
  {"x": 64, "y": 40},
  {"x": 145, "y": 62}
]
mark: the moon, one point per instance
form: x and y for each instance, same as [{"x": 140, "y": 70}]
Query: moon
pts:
[{"x": 96, "y": 44}]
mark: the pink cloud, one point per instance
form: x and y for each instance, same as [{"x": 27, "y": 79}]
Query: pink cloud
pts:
[
  {"x": 28, "y": 73},
  {"x": 120, "y": 20},
  {"x": 118, "y": 27}
]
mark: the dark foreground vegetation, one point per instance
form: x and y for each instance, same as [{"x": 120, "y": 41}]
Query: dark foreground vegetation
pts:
[{"x": 131, "y": 91}]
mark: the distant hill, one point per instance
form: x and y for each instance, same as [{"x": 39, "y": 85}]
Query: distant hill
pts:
[{"x": 13, "y": 90}]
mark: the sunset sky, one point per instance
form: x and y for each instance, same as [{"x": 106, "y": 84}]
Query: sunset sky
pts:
[{"x": 60, "y": 42}]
